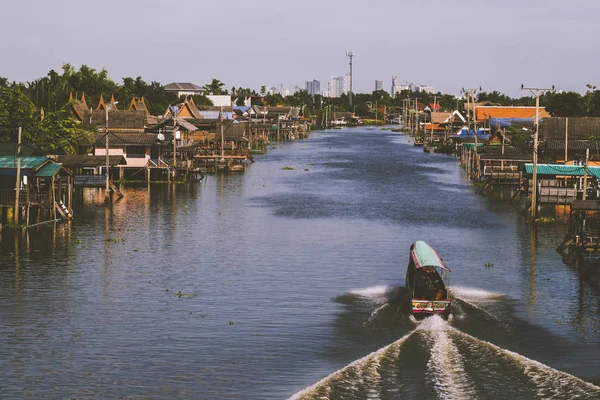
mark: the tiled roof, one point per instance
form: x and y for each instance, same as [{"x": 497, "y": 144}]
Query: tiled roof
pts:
[
  {"x": 441, "y": 117},
  {"x": 181, "y": 86},
  {"x": 118, "y": 119},
  {"x": 484, "y": 113},
  {"x": 129, "y": 139}
]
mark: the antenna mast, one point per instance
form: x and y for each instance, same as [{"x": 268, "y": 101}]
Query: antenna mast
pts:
[{"x": 350, "y": 55}]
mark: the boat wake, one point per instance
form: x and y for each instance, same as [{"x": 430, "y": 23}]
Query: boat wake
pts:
[{"x": 437, "y": 360}]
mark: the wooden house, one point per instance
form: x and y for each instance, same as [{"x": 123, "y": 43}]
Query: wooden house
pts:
[
  {"x": 571, "y": 152},
  {"x": 186, "y": 109},
  {"x": 44, "y": 191},
  {"x": 119, "y": 121}
]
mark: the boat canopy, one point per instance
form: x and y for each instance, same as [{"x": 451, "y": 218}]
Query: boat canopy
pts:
[{"x": 424, "y": 256}]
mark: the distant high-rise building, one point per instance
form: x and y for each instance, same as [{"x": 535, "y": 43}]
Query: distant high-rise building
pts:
[
  {"x": 394, "y": 88},
  {"x": 425, "y": 89},
  {"x": 338, "y": 85},
  {"x": 313, "y": 87},
  {"x": 378, "y": 85}
]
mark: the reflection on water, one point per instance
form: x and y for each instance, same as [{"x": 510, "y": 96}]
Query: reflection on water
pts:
[{"x": 257, "y": 285}]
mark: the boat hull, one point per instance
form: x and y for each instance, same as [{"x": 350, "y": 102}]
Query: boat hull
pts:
[{"x": 430, "y": 307}]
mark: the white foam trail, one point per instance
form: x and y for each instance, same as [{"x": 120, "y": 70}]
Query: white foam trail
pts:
[
  {"x": 471, "y": 296},
  {"x": 376, "y": 355},
  {"x": 550, "y": 383},
  {"x": 370, "y": 375},
  {"x": 481, "y": 309},
  {"x": 446, "y": 364},
  {"x": 379, "y": 291},
  {"x": 470, "y": 293},
  {"x": 377, "y": 311}
]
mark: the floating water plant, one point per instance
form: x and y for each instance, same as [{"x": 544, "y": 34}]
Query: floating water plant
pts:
[
  {"x": 489, "y": 265},
  {"x": 288, "y": 168},
  {"x": 545, "y": 220},
  {"x": 180, "y": 294}
]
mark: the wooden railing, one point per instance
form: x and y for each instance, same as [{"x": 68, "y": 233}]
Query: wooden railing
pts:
[{"x": 7, "y": 197}]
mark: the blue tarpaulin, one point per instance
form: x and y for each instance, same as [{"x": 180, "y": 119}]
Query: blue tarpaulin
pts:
[
  {"x": 508, "y": 122},
  {"x": 464, "y": 133}
]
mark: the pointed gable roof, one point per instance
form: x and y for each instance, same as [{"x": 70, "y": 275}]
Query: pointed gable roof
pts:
[
  {"x": 187, "y": 109},
  {"x": 112, "y": 104},
  {"x": 101, "y": 104},
  {"x": 77, "y": 108},
  {"x": 138, "y": 104}
]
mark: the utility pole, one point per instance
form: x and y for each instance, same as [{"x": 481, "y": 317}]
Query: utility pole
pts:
[
  {"x": 471, "y": 93},
  {"x": 537, "y": 92},
  {"x": 585, "y": 173},
  {"x": 222, "y": 142},
  {"x": 107, "y": 190},
  {"x": 18, "y": 183},
  {"x": 350, "y": 55},
  {"x": 431, "y": 118},
  {"x": 174, "y": 143}
]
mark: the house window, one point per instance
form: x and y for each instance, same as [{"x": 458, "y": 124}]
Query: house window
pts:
[{"x": 136, "y": 152}]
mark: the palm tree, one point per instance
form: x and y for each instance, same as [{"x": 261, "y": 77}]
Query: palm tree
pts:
[{"x": 214, "y": 87}]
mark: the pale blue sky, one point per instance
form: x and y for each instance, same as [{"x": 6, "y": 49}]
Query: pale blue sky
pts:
[{"x": 447, "y": 44}]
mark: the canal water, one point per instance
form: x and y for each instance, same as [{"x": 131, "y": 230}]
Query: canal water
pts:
[{"x": 285, "y": 282}]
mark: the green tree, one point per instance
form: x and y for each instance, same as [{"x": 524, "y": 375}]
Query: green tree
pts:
[
  {"x": 566, "y": 104},
  {"x": 215, "y": 87}
]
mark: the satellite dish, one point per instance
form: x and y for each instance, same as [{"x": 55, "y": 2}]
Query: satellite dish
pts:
[{"x": 160, "y": 137}]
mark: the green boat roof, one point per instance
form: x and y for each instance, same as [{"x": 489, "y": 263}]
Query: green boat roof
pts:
[
  {"x": 424, "y": 256},
  {"x": 561, "y": 169}
]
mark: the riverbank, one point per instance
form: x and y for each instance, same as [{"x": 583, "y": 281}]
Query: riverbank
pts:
[{"x": 281, "y": 277}]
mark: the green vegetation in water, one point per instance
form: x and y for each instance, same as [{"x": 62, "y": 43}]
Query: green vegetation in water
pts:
[
  {"x": 115, "y": 240},
  {"x": 180, "y": 294},
  {"x": 489, "y": 265},
  {"x": 545, "y": 220},
  {"x": 288, "y": 168},
  {"x": 305, "y": 169},
  {"x": 373, "y": 122},
  {"x": 310, "y": 165}
]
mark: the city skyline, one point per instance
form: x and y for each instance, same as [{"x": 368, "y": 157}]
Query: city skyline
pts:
[{"x": 497, "y": 57}]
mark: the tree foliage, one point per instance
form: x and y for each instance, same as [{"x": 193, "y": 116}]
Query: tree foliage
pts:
[{"x": 54, "y": 132}]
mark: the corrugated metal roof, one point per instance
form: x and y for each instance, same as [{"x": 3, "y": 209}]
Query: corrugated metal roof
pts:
[
  {"x": 49, "y": 170},
  {"x": 563, "y": 170},
  {"x": 32, "y": 162}
]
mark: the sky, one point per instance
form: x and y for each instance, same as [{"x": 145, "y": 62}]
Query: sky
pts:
[{"x": 497, "y": 45}]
